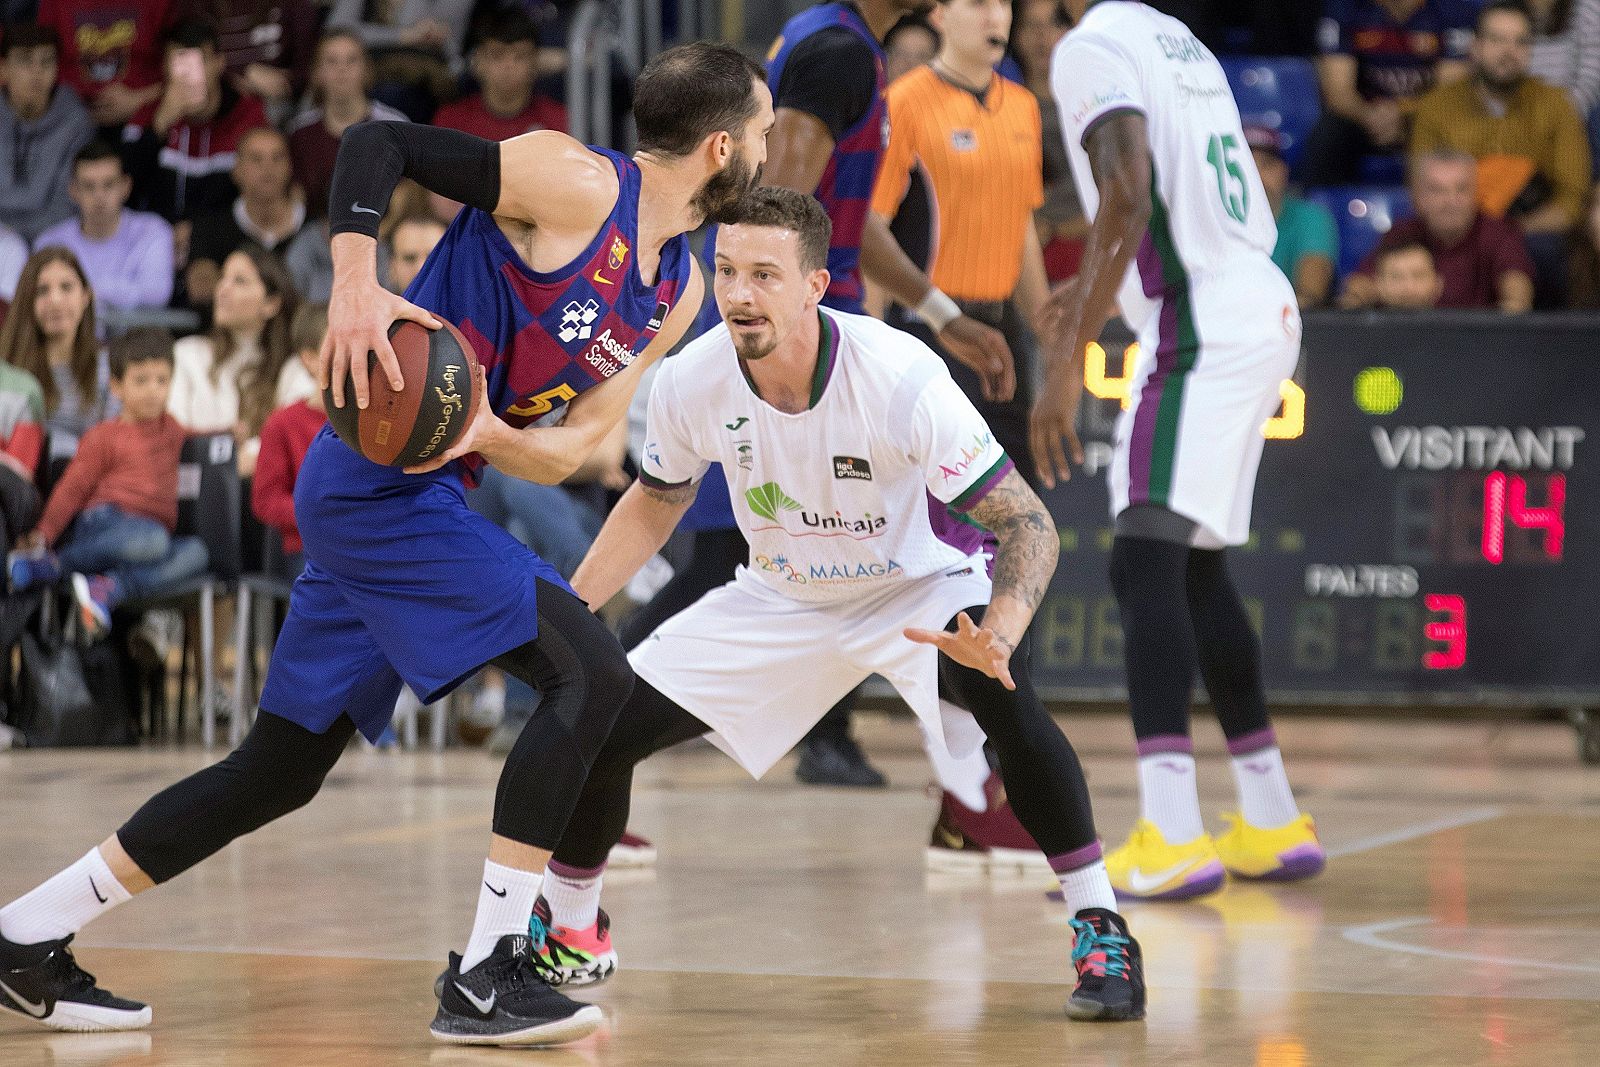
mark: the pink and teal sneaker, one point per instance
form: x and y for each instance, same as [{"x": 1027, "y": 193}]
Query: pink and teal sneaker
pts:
[{"x": 572, "y": 957}]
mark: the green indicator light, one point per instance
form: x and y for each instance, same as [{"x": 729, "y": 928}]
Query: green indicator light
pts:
[{"x": 1379, "y": 391}]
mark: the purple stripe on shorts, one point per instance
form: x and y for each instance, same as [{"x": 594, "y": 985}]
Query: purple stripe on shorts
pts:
[
  {"x": 1150, "y": 746},
  {"x": 1078, "y": 857},
  {"x": 1142, "y": 441},
  {"x": 580, "y": 874},
  {"x": 1243, "y": 746}
]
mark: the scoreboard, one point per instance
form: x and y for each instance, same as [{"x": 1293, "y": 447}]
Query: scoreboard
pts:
[{"x": 1426, "y": 526}]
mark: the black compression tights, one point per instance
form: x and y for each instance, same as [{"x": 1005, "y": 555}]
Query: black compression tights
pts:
[
  {"x": 1041, "y": 771},
  {"x": 574, "y": 662},
  {"x": 1180, "y": 611}
]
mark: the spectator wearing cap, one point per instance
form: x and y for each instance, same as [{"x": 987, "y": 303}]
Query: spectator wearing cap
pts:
[
  {"x": 1378, "y": 58},
  {"x": 126, "y": 254},
  {"x": 181, "y": 159},
  {"x": 1308, "y": 242},
  {"x": 341, "y": 79},
  {"x": 111, "y": 54},
  {"x": 1529, "y": 141},
  {"x": 1482, "y": 261},
  {"x": 506, "y": 63},
  {"x": 42, "y": 126}
]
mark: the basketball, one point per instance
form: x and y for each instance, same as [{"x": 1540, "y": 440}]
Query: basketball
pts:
[{"x": 427, "y": 417}]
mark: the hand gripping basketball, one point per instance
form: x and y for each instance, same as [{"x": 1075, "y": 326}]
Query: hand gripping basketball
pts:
[
  {"x": 972, "y": 646},
  {"x": 479, "y": 430},
  {"x": 359, "y": 316}
]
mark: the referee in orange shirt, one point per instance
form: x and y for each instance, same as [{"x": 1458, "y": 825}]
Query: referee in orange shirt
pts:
[{"x": 976, "y": 137}]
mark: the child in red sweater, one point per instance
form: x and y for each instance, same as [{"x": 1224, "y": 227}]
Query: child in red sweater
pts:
[
  {"x": 119, "y": 496},
  {"x": 285, "y": 437}
]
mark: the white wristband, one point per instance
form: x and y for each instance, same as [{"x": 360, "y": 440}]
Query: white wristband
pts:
[{"x": 937, "y": 310}]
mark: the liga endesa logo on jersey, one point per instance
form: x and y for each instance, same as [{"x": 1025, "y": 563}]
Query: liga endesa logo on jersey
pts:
[{"x": 770, "y": 502}]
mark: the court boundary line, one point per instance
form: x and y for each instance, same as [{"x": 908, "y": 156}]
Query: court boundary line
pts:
[
  {"x": 1470, "y": 817},
  {"x": 1370, "y": 936}
]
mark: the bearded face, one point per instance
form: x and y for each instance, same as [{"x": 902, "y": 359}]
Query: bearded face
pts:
[{"x": 723, "y": 189}]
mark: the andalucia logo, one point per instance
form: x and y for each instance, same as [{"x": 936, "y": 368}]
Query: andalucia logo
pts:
[{"x": 770, "y": 502}]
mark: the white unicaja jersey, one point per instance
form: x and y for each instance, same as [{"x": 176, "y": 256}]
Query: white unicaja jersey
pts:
[
  {"x": 865, "y": 490},
  {"x": 1210, "y": 218}
]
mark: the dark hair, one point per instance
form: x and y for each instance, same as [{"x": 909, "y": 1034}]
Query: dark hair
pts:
[
  {"x": 193, "y": 33},
  {"x": 94, "y": 152},
  {"x": 258, "y": 387},
  {"x": 1556, "y": 21},
  {"x": 912, "y": 21},
  {"x": 309, "y": 327},
  {"x": 509, "y": 27},
  {"x": 1410, "y": 244},
  {"x": 1515, "y": 7},
  {"x": 690, "y": 92},
  {"x": 142, "y": 344},
  {"x": 18, "y": 35},
  {"x": 786, "y": 209},
  {"x": 22, "y": 343}
]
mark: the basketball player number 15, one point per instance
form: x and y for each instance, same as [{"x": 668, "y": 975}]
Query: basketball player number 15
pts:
[{"x": 1231, "y": 186}]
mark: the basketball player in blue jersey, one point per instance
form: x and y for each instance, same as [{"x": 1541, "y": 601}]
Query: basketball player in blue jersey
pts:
[{"x": 568, "y": 273}]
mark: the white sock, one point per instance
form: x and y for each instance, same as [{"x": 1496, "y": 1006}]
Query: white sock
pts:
[
  {"x": 574, "y": 901},
  {"x": 65, "y": 904},
  {"x": 505, "y": 904},
  {"x": 1264, "y": 793},
  {"x": 1168, "y": 796},
  {"x": 1087, "y": 887},
  {"x": 962, "y": 777}
]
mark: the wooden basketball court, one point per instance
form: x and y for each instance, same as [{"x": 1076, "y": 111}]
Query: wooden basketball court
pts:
[{"x": 1458, "y": 922}]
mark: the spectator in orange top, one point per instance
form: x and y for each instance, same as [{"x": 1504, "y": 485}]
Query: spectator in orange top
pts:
[
  {"x": 119, "y": 496},
  {"x": 506, "y": 63},
  {"x": 285, "y": 439}
]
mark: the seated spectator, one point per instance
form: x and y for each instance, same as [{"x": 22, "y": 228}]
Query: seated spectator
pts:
[
  {"x": 266, "y": 47},
  {"x": 111, "y": 53},
  {"x": 119, "y": 496},
  {"x": 21, "y": 445},
  {"x": 1566, "y": 50},
  {"x": 1308, "y": 240},
  {"x": 1530, "y": 143},
  {"x": 505, "y": 62},
  {"x": 415, "y": 44},
  {"x": 126, "y": 254},
  {"x": 1406, "y": 279},
  {"x": 182, "y": 157},
  {"x": 239, "y": 373},
  {"x": 42, "y": 126},
  {"x": 50, "y": 333},
  {"x": 341, "y": 78},
  {"x": 1483, "y": 261},
  {"x": 1378, "y": 58},
  {"x": 285, "y": 438},
  {"x": 410, "y": 243},
  {"x": 13, "y": 256},
  {"x": 268, "y": 212},
  {"x": 1583, "y": 263}
]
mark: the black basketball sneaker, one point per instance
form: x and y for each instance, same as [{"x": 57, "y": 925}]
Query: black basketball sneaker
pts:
[
  {"x": 1110, "y": 969},
  {"x": 44, "y": 984},
  {"x": 503, "y": 1001}
]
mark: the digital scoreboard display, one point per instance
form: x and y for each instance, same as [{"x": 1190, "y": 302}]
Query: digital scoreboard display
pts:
[{"x": 1425, "y": 522}]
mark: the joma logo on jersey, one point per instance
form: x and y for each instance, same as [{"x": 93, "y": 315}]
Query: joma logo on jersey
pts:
[
  {"x": 619, "y": 253},
  {"x": 978, "y": 446},
  {"x": 577, "y": 321}
]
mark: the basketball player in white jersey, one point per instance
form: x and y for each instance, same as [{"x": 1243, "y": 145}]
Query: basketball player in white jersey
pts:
[
  {"x": 1182, "y": 243},
  {"x": 875, "y": 501}
]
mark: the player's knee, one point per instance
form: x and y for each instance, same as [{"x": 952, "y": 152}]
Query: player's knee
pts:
[{"x": 610, "y": 679}]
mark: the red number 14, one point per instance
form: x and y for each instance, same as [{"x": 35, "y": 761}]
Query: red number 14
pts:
[{"x": 1505, "y": 499}]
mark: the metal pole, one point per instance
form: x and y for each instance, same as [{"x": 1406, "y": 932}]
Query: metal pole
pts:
[{"x": 580, "y": 46}]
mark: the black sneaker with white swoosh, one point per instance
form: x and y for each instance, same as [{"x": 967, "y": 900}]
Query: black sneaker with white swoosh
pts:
[
  {"x": 44, "y": 984},
  {"x": 503, "y": 1001}
]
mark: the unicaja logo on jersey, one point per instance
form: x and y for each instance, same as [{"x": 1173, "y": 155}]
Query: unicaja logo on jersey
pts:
[
  {"x": 577, "y": 321},
  {"x": 770, "y": 502}
]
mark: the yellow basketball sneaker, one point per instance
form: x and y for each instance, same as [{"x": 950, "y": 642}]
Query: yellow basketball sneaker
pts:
[
  {"x": 1281, "y": 855},
  {"x": 1145, "y": 867}
]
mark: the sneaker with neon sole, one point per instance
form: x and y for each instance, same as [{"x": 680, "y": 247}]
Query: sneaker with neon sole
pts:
[
  {"x": 989, "y": 841},
  {"x": 1110, "y": 968},
  {"x": 573, "y": 957},
  {"x": 1145, "y": 867},
  {"x": 1284, "y": 854}
]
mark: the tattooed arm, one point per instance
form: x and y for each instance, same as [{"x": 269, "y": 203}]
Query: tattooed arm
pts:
[
  {"x": 1023, "y": 565},
  {"x": 634, "y": 531}
]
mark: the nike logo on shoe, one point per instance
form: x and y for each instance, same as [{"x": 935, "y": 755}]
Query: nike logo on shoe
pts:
[
  {"x": 96, "y": 889},
  {"x": 492, "y": 889},
  {"x": 1140, "y": 882},
  {"x": 38, "y": 1011},
  {"x": 485, "y": 1006}
]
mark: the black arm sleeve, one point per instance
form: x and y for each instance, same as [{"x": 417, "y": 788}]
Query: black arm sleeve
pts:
[
  {"x": 374, "y": 156},
  {"x": 830, "y": 75}
]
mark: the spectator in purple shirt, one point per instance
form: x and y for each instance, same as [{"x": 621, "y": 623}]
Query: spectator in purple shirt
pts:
[{"x": 126, "y": 254}]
